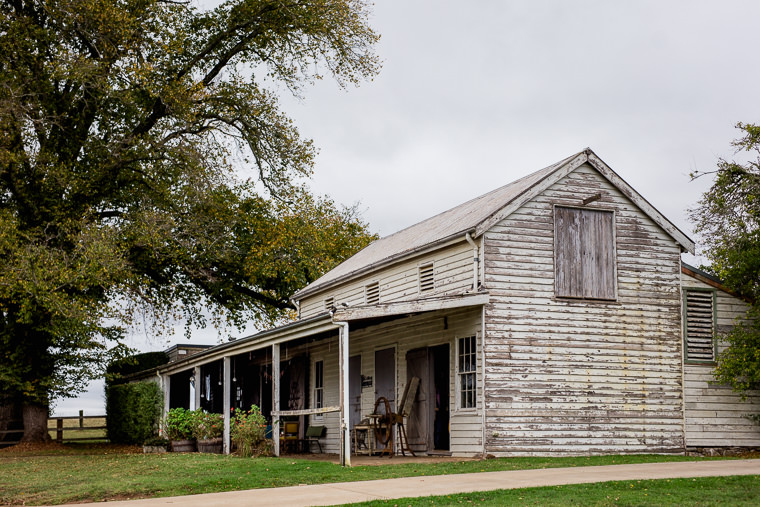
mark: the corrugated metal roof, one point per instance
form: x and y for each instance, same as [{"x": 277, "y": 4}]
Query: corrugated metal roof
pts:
[{"x": 442, "y": 227}]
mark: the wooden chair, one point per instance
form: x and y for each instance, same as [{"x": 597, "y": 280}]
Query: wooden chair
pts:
[{"x": 289, "y": 439}]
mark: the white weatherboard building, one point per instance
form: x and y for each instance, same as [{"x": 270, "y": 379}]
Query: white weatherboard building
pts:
[{"x": 551, "y": 316}]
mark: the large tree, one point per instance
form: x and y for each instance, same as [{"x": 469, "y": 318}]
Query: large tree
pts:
[
  {"x": 147, "y": 173},
  {"x": 728, "y": 221}
]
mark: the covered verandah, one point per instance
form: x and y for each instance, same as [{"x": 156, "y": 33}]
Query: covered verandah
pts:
[{"x": 275, "y": 371}]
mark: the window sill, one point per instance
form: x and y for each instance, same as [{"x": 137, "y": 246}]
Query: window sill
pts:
[{"x": 561, "y": 299}]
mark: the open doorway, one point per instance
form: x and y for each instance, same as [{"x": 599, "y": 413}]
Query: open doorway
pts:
[{"x": 428, "y": 424}]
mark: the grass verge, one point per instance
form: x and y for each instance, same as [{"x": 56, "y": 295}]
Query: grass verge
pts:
[
  {"x": 703, "y": 491},
  {"x": 79, "y": 473}
]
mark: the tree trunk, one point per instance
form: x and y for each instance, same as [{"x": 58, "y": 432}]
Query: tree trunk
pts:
[
  {"x": 10, "y": 419},
  {"x": 35, "y": 423}
]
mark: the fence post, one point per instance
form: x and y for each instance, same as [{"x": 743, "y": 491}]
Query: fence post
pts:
[
  {"x": 81, "y": 419},
  {"x": 59, "y": 430}
]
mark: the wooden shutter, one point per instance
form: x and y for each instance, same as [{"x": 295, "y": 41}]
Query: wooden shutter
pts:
[
  {"x": 700, "y": 325},
  {"x": 372, "y": 293},
  {"x": 427, "y": 277},
  {"x": 584, "y": 253},
  {"x": 567, "y": 253}
]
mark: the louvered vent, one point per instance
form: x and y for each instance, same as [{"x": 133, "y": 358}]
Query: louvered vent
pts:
[
  {"x": 700, "y": 326},
  {"x": 329, "y": 303},
  {"x": 372, "y": 293},
  {"x": 427, "y": 280}
]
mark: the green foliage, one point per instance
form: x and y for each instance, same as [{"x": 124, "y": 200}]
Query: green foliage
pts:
[
  {"x": 147, "y": 173},
  {"x": 157, "y": 442},
  {"x": 207, "y": 425},
  {"x": 728, "y": 221},
  {"x": 133, "y": 412},
  {"x": 116, "y": 370},
  {"x": 248, "y": 432},
  {"x": 179, "y": 424}
]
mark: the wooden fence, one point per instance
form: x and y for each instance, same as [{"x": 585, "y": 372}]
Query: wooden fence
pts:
[{"x": 79, "y": 428}]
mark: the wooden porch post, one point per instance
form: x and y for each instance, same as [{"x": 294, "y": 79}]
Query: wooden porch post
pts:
[
  {"x": 166, "y": 386},
  {"x": 276, "y": 398},
  {"x": 345, "y": 442},
  {"x": 226, "y": 402},
  {"x": 198, "y": 381}
]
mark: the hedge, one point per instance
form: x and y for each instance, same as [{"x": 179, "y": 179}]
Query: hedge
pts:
[{"x": 133, "y": 412}]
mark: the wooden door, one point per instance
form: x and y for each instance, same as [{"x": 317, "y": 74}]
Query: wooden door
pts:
[
  {"x": 354, "y": 390},
  {"x": 385, "y": 378},
  {"x": 418, "y": 423},
  {"x": 385, "y": 375}
]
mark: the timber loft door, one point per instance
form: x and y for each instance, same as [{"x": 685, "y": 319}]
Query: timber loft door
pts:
[{"x": 428, "y": 424}]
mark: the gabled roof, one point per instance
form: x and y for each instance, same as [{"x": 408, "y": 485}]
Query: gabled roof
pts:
[{"x": 476, "y": 217}]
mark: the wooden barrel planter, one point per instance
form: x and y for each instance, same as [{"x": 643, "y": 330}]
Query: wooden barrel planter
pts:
[
  {"x": 183, "y": 445},
  {"x": 210, "y": 445}
]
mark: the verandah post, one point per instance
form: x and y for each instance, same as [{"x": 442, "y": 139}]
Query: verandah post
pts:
[
  {"x": 276, "y": 398},
  {"x": 226, "y": 402}
]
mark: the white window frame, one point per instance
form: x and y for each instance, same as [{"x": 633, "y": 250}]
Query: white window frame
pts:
[
  {"x": 318, "y": 390},
  {"x": 461, "y": 374}
]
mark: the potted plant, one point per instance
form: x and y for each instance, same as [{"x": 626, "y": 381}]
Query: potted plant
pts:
[
  {"x": 155, "y": 445},
  {"x": 178, "y": 428},
  {"x": 208, "y": 429}
]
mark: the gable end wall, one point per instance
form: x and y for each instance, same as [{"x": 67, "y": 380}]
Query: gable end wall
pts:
[
  {"x": 400, "y": 282},
  {"x": 576, "y": 377}
]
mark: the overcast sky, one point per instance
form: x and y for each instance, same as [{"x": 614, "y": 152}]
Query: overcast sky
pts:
[{"x": 473, "y": 95}]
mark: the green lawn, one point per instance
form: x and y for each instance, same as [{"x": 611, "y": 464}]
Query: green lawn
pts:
[
  {"x": 96, "y": 473},
  {"x": 728, "y": 491}
]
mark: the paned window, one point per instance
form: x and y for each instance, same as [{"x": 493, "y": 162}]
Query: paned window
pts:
[
  {"x": 699, "y": 332},
  {"x": 466, "y": 372},
  {"x": 319, "y": 384},
  {"x": 584, "y": 253}
]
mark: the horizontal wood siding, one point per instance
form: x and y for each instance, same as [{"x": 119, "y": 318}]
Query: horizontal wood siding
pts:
[
  {"x": 399, "y": 282},
  {"x": 715, "y": 415},
  {"x": 578, "y": 377},
  {"x": 405, "y": 334},
  {"x": 327, "y": 351}
]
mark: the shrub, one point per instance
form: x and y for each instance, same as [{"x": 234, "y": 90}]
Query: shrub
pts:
[
  {"x": 133, "y": 412},
  {"x": 157, "y": 442},
  {"x": 248, "y": 431},
  {"x": 178, "y": 424},
  {"x": 207, "y": 425}
]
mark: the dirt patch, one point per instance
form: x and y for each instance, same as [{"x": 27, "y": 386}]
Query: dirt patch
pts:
[
  {"x": 32, "y": 447},
  {"x": 54, "y": 448}
]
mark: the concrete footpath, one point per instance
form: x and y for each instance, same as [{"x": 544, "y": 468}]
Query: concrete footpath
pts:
[{"x": 349, "y": 492}]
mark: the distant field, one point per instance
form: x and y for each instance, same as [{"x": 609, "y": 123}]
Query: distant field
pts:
[{"x": 71, "y": 430}]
